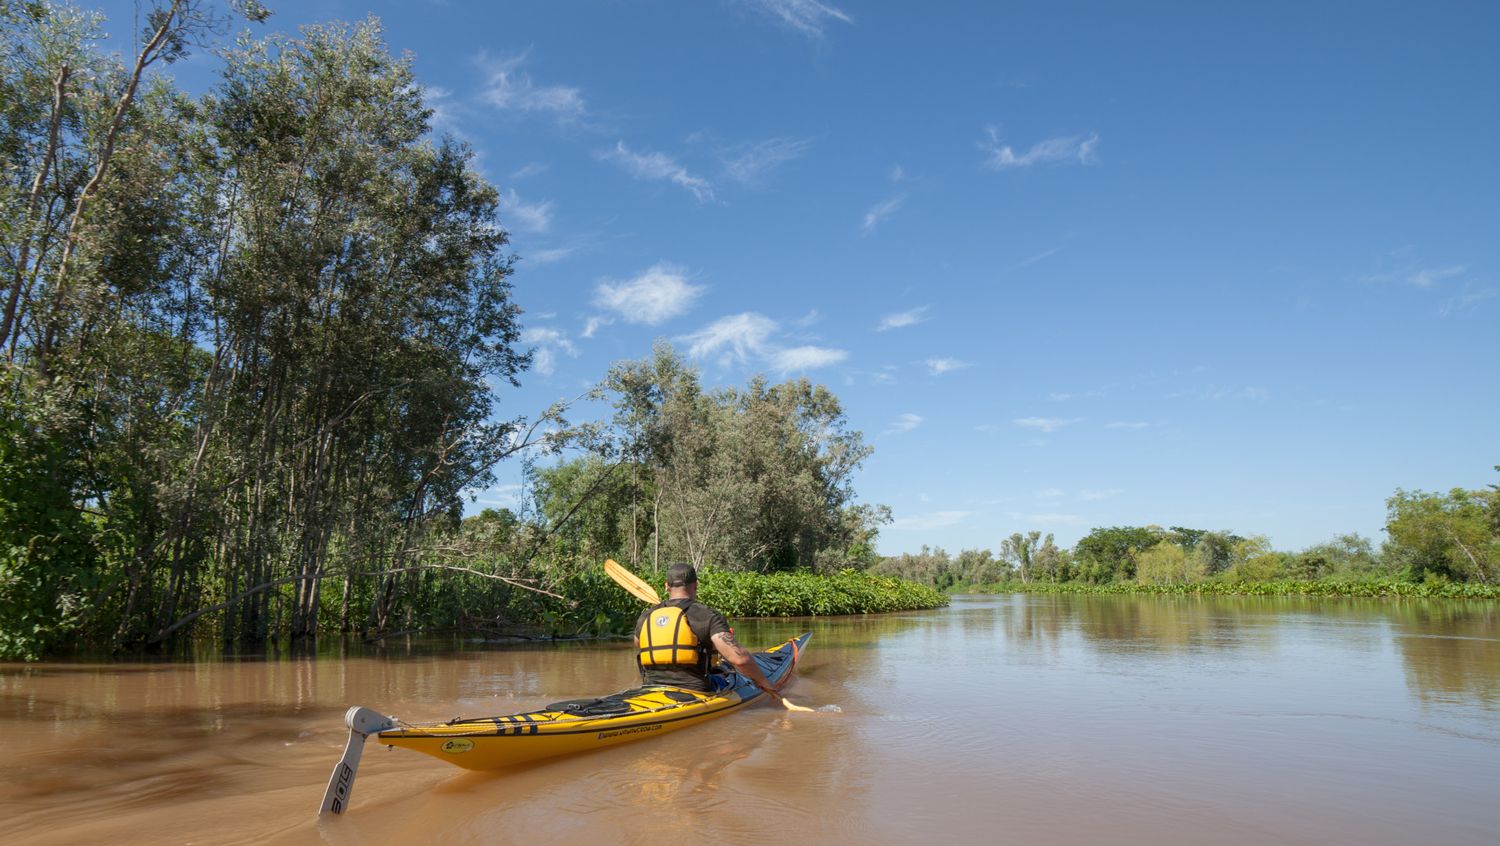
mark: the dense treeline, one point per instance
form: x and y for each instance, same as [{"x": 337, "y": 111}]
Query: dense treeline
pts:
[
  {"x": 1437, "y": 545},
  {"x": 250, "y": 360}
]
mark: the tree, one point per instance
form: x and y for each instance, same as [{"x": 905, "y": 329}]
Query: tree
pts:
[
  {"x": 755, "y": 478},
  {"x": 1446, "y": 536},
  {"x": 1106, "y": 555},
  {"x": 1167, "y": 563}
]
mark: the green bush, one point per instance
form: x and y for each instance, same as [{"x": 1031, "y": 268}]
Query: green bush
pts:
[{"x": 808, "y": 595}]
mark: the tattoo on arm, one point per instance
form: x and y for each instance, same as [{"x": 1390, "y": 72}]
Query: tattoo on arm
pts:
[{"x": 729, "y": 647}]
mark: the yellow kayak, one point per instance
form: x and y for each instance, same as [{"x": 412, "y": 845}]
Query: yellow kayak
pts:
[{"x": 563, "y": 728}]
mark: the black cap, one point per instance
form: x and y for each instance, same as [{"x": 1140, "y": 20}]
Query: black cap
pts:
[{"x": 681, "y": 575}]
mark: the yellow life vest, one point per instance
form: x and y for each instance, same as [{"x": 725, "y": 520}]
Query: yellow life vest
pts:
[{"x": 666, "y": 639}]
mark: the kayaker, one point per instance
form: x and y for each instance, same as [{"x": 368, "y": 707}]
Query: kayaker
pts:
[{"x": 676, "y": 639}]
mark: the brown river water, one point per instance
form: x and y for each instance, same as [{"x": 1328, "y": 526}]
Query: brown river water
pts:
[{"x": 1017, "y": 719}]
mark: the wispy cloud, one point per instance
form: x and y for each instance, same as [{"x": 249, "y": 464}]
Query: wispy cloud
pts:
[
  {"x": 898, "y": 173},
  {"x": 903, "y": 424},
  {"x": 939, "y": 366},
  {"x": 507, "y": 87},
  {"x": 1250, "y": 392},
  {"x": 501, "y": 496},
  {"x": 1428, "y": 277},
  {"x": 1076, "y": 148},
  {"x": 547, "y": 345},
  {"x": 736, "y": 338},
  {"x": 902, "y": 319},
  {"x": 749, "y": 338},
  {"x": 1048, "y": 519},
  {"x": 1127, "y": 424},
  {"x": 1470, "y": 297},
  {"x": 1046, "y": 424},
  {"x": 657, "y": 167},
  {"x": 928, "y": 522},
  {"x": 1030, "y": 260},
  {"x": 1051, "y": 493},
  {"x": 808, "y": 17},
  {"x": 658, "y": 294},
  {"x": 879, "y": 213},
  {"x": 1093, "y": 495},
  {"x": 549, "y": 256},
  {"x": 529, "y": 170},
  {"x": 528, "y": 217},
  {"x": 808, "y": 319},
  {"x": 806, "y": 358},
  {"x": 748, "y": 164}
]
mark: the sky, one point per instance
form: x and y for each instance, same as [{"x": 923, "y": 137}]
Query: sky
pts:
[{"x": 1067, "y": 265}]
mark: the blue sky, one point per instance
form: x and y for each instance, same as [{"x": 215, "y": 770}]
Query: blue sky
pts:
[{"x": 1067, "y": 264}]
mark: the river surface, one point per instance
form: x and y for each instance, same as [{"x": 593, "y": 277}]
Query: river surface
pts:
[{"x": 1017, "y": 719}]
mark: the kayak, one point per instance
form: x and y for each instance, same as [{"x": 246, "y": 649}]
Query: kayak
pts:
[{"x": 581, "y": 725}]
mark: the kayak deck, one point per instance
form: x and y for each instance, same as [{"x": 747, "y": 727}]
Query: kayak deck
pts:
[{"x": 563, "y": 728}]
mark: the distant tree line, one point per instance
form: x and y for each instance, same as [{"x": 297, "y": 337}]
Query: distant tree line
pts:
[{"x": 1431, "y": 538}]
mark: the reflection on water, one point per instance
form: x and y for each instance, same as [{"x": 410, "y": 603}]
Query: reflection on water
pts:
[{"x": 1046, "y": 718}]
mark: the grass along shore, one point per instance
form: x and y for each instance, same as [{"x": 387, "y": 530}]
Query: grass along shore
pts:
[{"x": 1281, "y": 587}]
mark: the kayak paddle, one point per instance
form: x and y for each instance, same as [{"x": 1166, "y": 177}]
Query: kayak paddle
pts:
[{"x": 645, "y": 593}]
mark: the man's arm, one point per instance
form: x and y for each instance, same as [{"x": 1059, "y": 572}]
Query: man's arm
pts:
[{"x": 736, "y": 655}]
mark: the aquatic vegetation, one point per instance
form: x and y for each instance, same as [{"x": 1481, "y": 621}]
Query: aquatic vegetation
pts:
[{"x": 1390, "y": 587}]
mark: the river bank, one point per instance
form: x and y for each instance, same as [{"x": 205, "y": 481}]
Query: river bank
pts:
[{"x": 1286, "y": 587}]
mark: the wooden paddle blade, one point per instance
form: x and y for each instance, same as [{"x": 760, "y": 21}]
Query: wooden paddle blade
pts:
[
  {"x": 791, "y": 707},
  {"x": 632, "y": 583}
]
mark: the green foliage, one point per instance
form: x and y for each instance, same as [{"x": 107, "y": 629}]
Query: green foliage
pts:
[
  {"x": 1168, "y": 563},
  {"x": 1381, "y": 587},
  {"x": 48, "y": 561},
  {"x": 739, "y": 594},
  {"x": 756, "y": 478},
  {"x": 1452, "y": 536},
  {"x": 1107, "y": 555}
]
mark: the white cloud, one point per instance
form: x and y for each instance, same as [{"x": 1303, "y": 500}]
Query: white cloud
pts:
[
  {"x": 1428, "y": 277},
  {"x": 1046, "y": 424},
  {"x": 806, "y": 358},
  {"x": 928, "y": 522},
  {"x": 749, "y": 163},
  {"x": 658, "y": 167},
  {"x": 1076, "y": 148},
  {"x": 1127, "y": 424},
  {"x": 547, "y": 343},
  {"x": 879, "y": 213},
  {"x": 594, "y": 324},
  {"x": 905, "y": 423},
  {"x": 939, "y": 366},
  {"x": 529, "y": 170},
  {"x": 1051, "y": 493},
  {"x": 735, "y": 338},
  {"x": 1251, "y": 392},
  {"x": 1468, "y": 299},
  {"x": 806, "y": 16},
  {"x": 549, "y": 256},
  {"x": 902, "y": 319},
  {"x": 500, "y": 496},
  {"x": 507, "y": 87},
  {"x": 898, "y": 173},
  {"x": 808, "y": 319},
  {"x": 1046, "y": 519},
  {"x": 1030, "y": 260},
  {"x": 1096, "y": 494},
  {"x": 656, "y": 295},
  {"x": 528, "y": 217}
]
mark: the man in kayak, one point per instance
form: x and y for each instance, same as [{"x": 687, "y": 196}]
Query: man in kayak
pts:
[{"x": 676, "y": 639}]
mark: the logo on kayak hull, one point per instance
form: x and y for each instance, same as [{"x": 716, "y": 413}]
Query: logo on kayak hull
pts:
[
  {"x": 605, "y": 735},
  {"x": 457, "y": 747}
]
